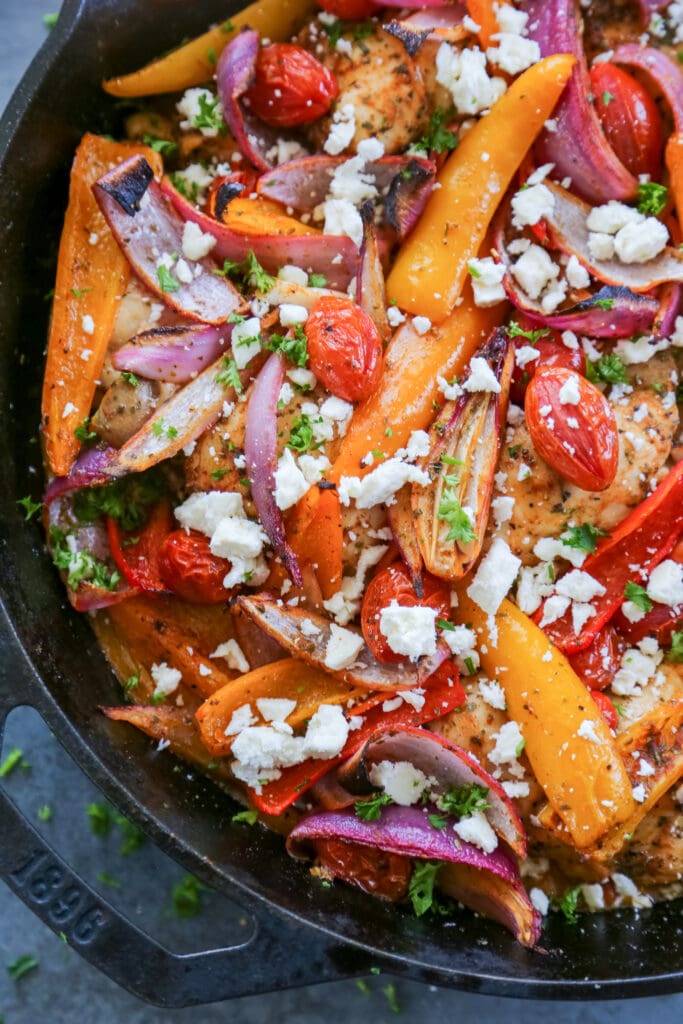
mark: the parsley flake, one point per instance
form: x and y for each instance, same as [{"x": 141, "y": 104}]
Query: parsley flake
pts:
[
  {"x": 461, "y": 801},
  {"x": 438, "y": 138},
  {"x": 514, "y": 330},
  {"x": 31, "y": 508},
  {"x": 249, "y": 817},
  {"x": 638, "y": 596},
  {"x": 652, "y": 198},
  {"x": 568, "y": 903},
  {"x": 583, "y": 537},
  {"x": 229, "y": 376},
  {"x": 675, "y": 652},
  {"x": 21, "y": 966},
  {"x": 167, "y": 282},
  {"x": 421, "y": 887},
  {"x": 164, "y": 146},
  {"x": 293, "y": 346},
  {"x": 186, "y": 897},
  {"x": 452, "y": 513},
  {"x": 371, "y": 809}
]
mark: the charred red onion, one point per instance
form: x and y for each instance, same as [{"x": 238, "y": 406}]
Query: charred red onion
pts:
[
  {"x": 371, "y": 293},
  {"x": 175, "y": 354},
  {"x": 235, "y": 73},
  {"x": 260, "y": 450},
  {"x": 147, "y": 228},
  {"x": 87, "y": 471}
]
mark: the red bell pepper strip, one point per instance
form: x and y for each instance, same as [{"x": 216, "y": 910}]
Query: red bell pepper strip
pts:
[
  {"x": 137, "y": 552},
  {"x": 444, "y": 694},
  {"x": 660, "y": 622},
  {"x": 640, "y": 542}
]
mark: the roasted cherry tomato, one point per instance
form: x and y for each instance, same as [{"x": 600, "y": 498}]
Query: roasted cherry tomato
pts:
[
  {"x": 383, "y": 874},
  {"x": 609, "y": 712},
  {"x": 551, "y": 352},
  {"x": 191, "y": 571},
  {"x": 227, "y": 187},
  {"x": 137, "y": 553},
  {"x": 394, "y": 584},
  {"x": 344, "y": 347},
  {"x": 573, "y": 428},
  {"x": 629, "y": 118},
  {"x": 598, "y": 664},
  {"x": 290, "y": 87},
  {"x": 349, "y": 10}
]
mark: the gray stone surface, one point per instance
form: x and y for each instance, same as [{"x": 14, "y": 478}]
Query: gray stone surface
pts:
[{"x": 63, "y": 988}]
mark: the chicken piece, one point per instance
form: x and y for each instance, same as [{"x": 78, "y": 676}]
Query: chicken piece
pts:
[
  {"x": 647, "y": 420},
  {"x": 667, "y": 685},
  {"x": 379, "y": 80},
  {"x": 654, "y": 857},
  {"x": 125, "y": 408}
]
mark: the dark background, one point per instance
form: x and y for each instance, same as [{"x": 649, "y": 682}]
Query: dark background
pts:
[{"x": 62, "y": 988}]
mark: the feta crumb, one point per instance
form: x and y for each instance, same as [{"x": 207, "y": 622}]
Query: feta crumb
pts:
[
  {"x": 639, "y": 793},
  {"x": 475, "y": 829},
  {"x": 343, "y": 648},
  {"x": 291, "y": 315},
  {"x": 577, "y": 275},
  {"x": 380, "y": 486},
  {"x": 495, "y": 575},
  {"x": 342, "y": 131},
  {"x": 166, "y": 679},
  {"x": 400, "y": 780},
  {"x": 422, "y": 324},
  {"x": 233, "y": 654},
  {"x": 242, "y": 718},
  {"x": 409, "y": 631},
  {"x": 246, "y": 341},
  {"x": 569, "y": 392},
  {"x": 481, "y": 377},
  {"x": 539, "y": 901},
  {"x": 532, "y": 204},
  {"x": 509, "y": 744},
  {"x": 493, "y": 693},
  {"x": 88, "y": 324},
  {"x": 327, "y": 732},
  {"x": 487, "y": 281},
  {"x": 665, "y": 585},
  {"x": 463, "y": 74},
  {"x": 534, "y": 271},
  {"x": 196, "y": 244},
  {"x": 587, "y": 731},
  {"x": 290, "y": 482},
  {"x": 203, "y": 511},
  {"x": 395, "y": 316}
]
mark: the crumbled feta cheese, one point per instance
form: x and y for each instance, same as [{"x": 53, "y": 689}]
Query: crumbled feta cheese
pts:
[
  {"x": 410, "y": 631},
  {"x": 638, "y": 666},
  {"x": 290, "y": 314},
  {"x": 246, "y": 341},
  {"x": 611, "y": 217},
  {"x": 502, "y": 509},
  {"x": 380, "y": 486},
  {"x": 342, "y": 131},
  {"x": 487, "y": 281},
  {"x": 510, "y": 19},
  {"x": 509, "y": 744},
  {"x": 495, "y": 575},
  {"x": 493, "y": 693},
  {"x": 327, "y": 732},
  {"x": 233, "y": 654},
  {"x": 290, "y": 482},
  {"x": 579, "y": 586},
  {"x": 513, "y": 54},
  {"x": 293, "y": 275},
  {"x": 203, "y": 511},
  {"x": 532, "y": 204},
  {"x": 534, "y": 586},
  {"x": 475, "y": 829},
  {"x": 547, "y": 549},
  {"x": 309, "y": 628},
  {"x": 338, "y": 412},
  {"x": 396, "y": 317},
  {"x": 600, "y": 246},
  {"x": 422, "y": 324},
  {"x": 88, "y": 324},
  {"x": 237, "y": 539},
  {"x": 629, "y": 893},
  {"x": 342, "y": 218},
  {"x": 166, "y": 679},
  {"x": 400, "y": 780},
  {"x": 313, "y": 468},
  {"x": 196, "y": 243},
  {"x": 534, "y": 271},
  {"x": 190, "y": 108},
  {"x": 481, "y": 377},
  {"x": 449, "y": 391},
  {"x": 569, "y": 393},
  {"x": 577, "y": 275},
  {"x": 516, "y": 790},
  {"x": 343, "y": 648},
  {"x": 639, "y": 793},
  {"x": 242, "y": 718},
  {"x": 463, "y": 74},
  {"x": 68, "y": 409},
  {"x": 666, "y": 583},
  {"x": 638, "y": 243},
  {"x": 587, "y": 731},
  {"x": 526, "y": 354},
  {"x": 594, "y": 896},
  {"x": 275, "y": 709},
  {"x": 539, "y": 901}
]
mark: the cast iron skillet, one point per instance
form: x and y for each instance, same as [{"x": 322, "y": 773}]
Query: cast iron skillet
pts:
[{"x": 301, "y": 933}]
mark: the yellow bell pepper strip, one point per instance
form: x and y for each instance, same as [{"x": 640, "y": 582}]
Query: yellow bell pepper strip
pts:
[
  {"x": 194, "y": 63},
  {"x": 262, "y": 217},
  {"x": 92, "y": 273},
  {"x": 657, "y": 738},
  {"x": 484, "y": 14},
  {"x": 289, "y": 679},
  {"x": 585, "y": 781},
  {"x": 433, "y": 264}
]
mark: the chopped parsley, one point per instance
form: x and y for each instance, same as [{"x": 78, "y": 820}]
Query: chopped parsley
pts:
[
  {"x": 229, "y": 376},
  {"x": 392, "y": 997},
  {"x": 163, "y": 146},
  {"x": 218, "y": 474},
  {"x": 80, "y": 566},
  {"x": 211, "y": 56},
  {"x": 45, "y": 813},
  {"x": 210, "y": 115},
  {"x": 469, "y": 665},
  {"x": 652, "y": 198},
  {"x": 133, "y": 837},
  {"x": 293, "y": 346},
  {"x": 421, "y": 887},
  {"x": 50, "y": 20},
  {"x": 609, "y": 368},
  {"x": 459, "y": 523},
  {"x": 106, "y": 879},
  {"x": 583, "y": 537},
  {"x": 638, "y": 596},
  {"x": 473, "y": 272},
  {"x": 186, "y": 896},
  {"x": 227, "y": 27},
  {"x": 438, "y": 137},
  {"x": 461, "y": 801},
  {"x": 13, "y": 760},
  {"x": 604, "y": 303},
  {"x": 21, "y": 966},
  {"x": 249, "y": 817},
  {"x": 514, "y": 330},
  {"x": 301, "y": 436},
  {"x": 568, "y": 903},
  {"x": 371, "y": 809},
  {"x": 159, "y": 428},
  {"x": 127, "y": 500},
  {"x": 78, "y": 293},
  {"x": 167, "y": 282},
  {"x": 607, "y": 97},
  {"x": 317, "y": 281},
  {"x": 675, "y": 652},
  {"x": 83, "y": 432},
  {"x": 100, "y": 818},
  {"x": 189, "y": 189},
  {"x": 31, "y": 508},
  {"x": 129, "y": 378},
  {"x": 248, "y": 272},
  {"x": 438, "y": 821}
]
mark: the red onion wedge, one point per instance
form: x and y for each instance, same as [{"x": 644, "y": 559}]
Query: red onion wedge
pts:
[
  {"x": 462, "y": 461},
  {"x": 669, "y": 308},
  {"x": 612, "y": 312},
  {"x": 260, "y": 449},
  {"x": 371, "y": 293},
  {"x": 567, "y": 226},
  {"x": 182, "y": 419},
  {"x": 443, "y": 25},
  {"x": 439, "y": 759},
  {"x": 175, "y": 354},
  {"x": 87, "y": 471},
  {"x": 235, "y": 74},
  {"x": 147, "y": 228},
  {"x": 304, "y": 184},
  {"x": 334, "y": 256},
  {"x": 402, "y": 522},
  {"x": 283, "y": 624},
  {"x": 577, "y": 147},
  {"x": 406, "y": 831},
  {"x": 660, "y": 68}
]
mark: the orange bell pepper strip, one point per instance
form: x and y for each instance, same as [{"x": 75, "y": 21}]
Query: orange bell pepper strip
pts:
[
  {"x": 585, "y": 781},
  {"x": 658, "y": 732},
  {"x": 289, "y": 678},
  {"x": 194, "y": 63},
  {"x": 323, "y": 545},
  {"x": 673, "y": 158},
  {"x": 92, "y": 273},
  {"x": 484, "y": 14},
  {"x": 433, "y": 264},
  {"x": 262, "y": 217}
]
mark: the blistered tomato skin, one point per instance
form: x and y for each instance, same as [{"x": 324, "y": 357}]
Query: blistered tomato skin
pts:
[
  {"x": 291, "y": 87},
  {"x": 375, "y": 871},
  {"x": 598, "y": 664},
  {"x": 551, "y": 352},
  {"x": 344, "y": 348},
  {"x": 191, "y": 571},
  {"x": 394, "y": 584},
  {"x": 579, "y": 440},
  {"x": 349, "y": 10},
  {"x": 629, "y": 118}
]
